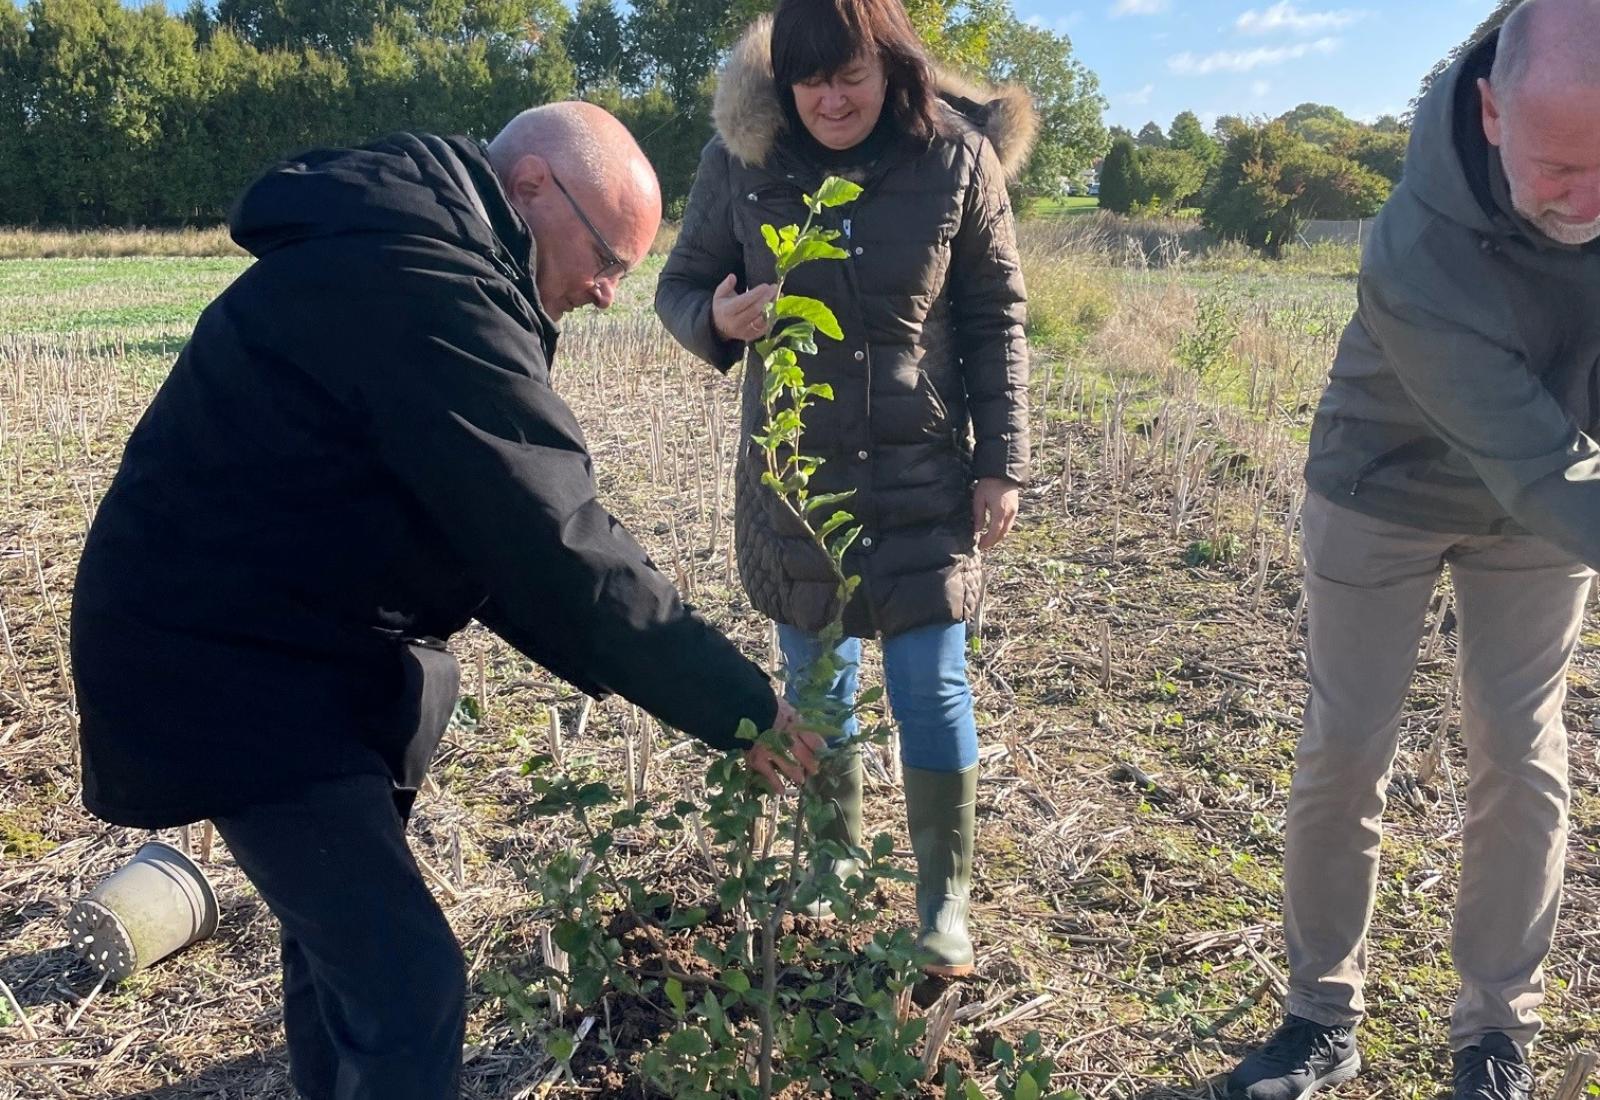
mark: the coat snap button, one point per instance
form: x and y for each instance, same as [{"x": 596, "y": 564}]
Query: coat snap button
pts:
[
  {"x": 862, "y": 455},
  {"x": 867, "y": 541},
  {"x": 860, "y": 355},
  {"x": 859, "y": 250}
]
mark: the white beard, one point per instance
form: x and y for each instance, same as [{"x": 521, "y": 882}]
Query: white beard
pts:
[
  {"x": 1548, "y": 223},
  {"x": 1566, "y": 232}
]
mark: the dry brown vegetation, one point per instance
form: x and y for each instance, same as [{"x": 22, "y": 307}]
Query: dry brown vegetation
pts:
[
  {"x": 1138, "y": 665},
  {"x": 65, "y": 243}
]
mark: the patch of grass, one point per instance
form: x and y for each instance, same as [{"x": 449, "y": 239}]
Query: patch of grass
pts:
[
  {"x": 20, "y": 840},
  {"x": 1068, "y": 207},
  {"x": 109, "y": 295},
  {"x": 1067, "y": 302},
  {"x": 1214, "y": 551}
]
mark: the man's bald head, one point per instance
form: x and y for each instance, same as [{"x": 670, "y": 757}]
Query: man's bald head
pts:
[
  {"x": 607, "y": 178},
  {"x": 1548, "y": 45},
  {"x": 1541, "y": 108}
]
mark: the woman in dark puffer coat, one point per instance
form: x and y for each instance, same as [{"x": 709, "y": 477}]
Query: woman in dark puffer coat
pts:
[{"x": 928, "y": 425}]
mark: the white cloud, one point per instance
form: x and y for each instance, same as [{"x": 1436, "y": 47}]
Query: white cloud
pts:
[
  {"x": 1138, "y": 7},
  {"x": 1139, "y": 98},
  {"x": 1260, "y": 88},
  {"x": 1284, "y": 16},
  {"x": 1244, "y": 61}
]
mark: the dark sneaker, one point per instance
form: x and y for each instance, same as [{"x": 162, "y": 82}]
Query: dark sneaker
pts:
[
  {"x": 1301, "y": 1057},
  {"x": 1493, "y": 1070}
]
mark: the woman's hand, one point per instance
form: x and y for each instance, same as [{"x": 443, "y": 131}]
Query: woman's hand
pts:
[
  {"x": 994, "y": 510},
  {"x": 805, "y": 746},
  {"x": 741, "y": 317}
]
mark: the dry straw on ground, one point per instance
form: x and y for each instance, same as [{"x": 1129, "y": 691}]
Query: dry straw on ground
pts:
[{"x": 1138, "y": 666}]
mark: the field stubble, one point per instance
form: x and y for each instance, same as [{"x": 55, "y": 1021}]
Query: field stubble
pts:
[{"x": 1138, "y": 665}]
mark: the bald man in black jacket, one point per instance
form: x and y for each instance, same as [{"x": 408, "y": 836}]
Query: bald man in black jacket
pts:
[{"x": 358, "y": 452}]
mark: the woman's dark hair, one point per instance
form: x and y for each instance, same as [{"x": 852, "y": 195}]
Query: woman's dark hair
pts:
[{"x": 820, "y": 37}]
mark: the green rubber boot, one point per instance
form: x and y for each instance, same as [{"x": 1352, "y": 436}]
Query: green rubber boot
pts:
[
  {"x": 941, "y": 811},
  {"x": 838, "y": 781}
]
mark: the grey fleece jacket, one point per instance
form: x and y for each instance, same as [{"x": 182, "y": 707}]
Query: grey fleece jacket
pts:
[{"x": 1465, "y": 392}]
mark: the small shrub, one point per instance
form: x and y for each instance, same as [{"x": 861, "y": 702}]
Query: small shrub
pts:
[
  {"x": 1209, "y": 345},
  {"x": 1216, "y": 551}
]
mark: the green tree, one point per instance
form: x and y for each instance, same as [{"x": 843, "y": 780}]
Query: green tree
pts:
[
  {"x": 1381, "y": 152},
  {"x": 1066, "y": 95},
  {"x": 1119, "y": 177},
  {"x": 1151, "y": 136},
  {"x": 679, "y": 42},
  {"x": 1228, "y": 127},
  {"x": 1273, "y": 182},
  {"x": 961, "y": 33},
  {"x": 302, "y": 24},
  {"x": 1167, "y": 178},
  {"x": 107, "y": 81},
  {"x": 20, "y": 199},
  {"x": 1188, "y": 135},
  {"x": 1318, "y": 123},
  {"x": 596, "y": 42}
]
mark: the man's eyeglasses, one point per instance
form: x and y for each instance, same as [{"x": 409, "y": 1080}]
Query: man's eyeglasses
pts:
[{"x": 612, "y": 265}]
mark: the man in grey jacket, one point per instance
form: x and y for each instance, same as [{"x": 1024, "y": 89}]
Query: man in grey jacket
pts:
[{"x": 1457, "y": 428}]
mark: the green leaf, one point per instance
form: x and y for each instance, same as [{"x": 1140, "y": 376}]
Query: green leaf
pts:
[
  {"x": 836, "y": 192},
  {"x": 688, "y": 1043},
  {"x": 770, "y": 235},
  {"x": 716, "y": 1021},
  {"x": 809, "y": 309},
  {"x": 687, "y": 918},
  {"x": 560, "y": 1045},
  {"x": 807, "y": 250},
  {"x": 674, "y": 992},
  {"x": 737, "y": 981},
  {"x": 1027, "y": 1088},
  {"x": 835, "y": 521},
  {"x": 822, "y": 500},
  {"x": 591, "y": 795},
  {"x": 974, "y": 1090},
  {"x": 842, "y": 545}
]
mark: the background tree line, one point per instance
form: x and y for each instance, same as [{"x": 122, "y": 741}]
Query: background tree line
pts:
[
  {"x": 117, "y": 116},
  {"x": 1259, "y": 180}
]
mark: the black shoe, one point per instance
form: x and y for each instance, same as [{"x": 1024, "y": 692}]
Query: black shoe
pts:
[
  {"x": 1301, "y": 1057},
  {"x": 1493, "y": 1070}
]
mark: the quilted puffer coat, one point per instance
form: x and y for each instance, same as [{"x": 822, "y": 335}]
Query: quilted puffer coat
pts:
[{"x": 931, "y": 379}]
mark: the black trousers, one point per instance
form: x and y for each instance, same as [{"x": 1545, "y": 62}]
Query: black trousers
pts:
[{"x": 374, "y": 984}]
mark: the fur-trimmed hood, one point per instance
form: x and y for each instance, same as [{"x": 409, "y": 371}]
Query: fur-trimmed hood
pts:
[{"x": 749, "y": 118}]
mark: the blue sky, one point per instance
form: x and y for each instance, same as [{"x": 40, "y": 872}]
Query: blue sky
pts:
[{"x": 1156, "y": 58}]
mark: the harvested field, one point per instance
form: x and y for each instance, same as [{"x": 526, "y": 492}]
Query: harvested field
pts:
[{"x": 1138, "y": 665}]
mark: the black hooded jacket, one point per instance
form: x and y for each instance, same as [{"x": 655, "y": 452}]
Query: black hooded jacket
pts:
[{"x": 358, "y": 452}]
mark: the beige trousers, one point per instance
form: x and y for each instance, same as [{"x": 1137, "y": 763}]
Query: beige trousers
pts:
[{"x": 1519, "y": 605}]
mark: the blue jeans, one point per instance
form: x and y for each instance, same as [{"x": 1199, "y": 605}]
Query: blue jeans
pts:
[{"x": 925, "y": 674}]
